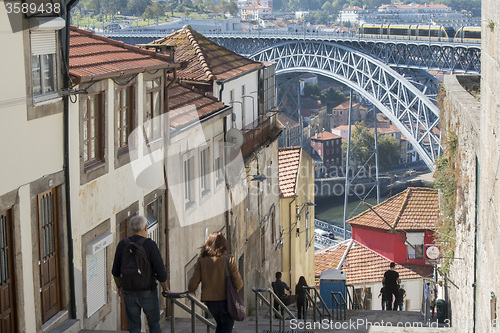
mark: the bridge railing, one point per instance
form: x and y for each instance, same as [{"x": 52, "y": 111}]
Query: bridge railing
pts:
[{"x": 337, "y": 231}]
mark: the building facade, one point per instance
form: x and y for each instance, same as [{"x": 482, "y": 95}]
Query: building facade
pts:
[{"x": 296, "y": 183}]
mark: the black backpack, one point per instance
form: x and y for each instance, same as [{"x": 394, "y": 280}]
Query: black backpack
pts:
[{"x": 135, "y": 268}]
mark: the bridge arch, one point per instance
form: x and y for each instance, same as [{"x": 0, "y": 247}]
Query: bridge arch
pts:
[{"x": 407, "y": 107}]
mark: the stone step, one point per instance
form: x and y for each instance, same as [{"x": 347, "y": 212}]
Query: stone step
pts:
[{"x": 67, "y": 326}]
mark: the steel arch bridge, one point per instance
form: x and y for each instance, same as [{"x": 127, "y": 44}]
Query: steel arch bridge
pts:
[
  {"x": 438, "y": 55},
  {"x": 408, "y": 108}
]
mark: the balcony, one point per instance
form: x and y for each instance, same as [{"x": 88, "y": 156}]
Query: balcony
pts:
[{"x": 257, "y": 132}]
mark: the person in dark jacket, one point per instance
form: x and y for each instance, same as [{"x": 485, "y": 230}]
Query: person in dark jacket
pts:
[
  {"x": 147, "y": 299},
  {"x": 301, "y": 298},
  {"x": 210, "y": 270},
  {"x": 391, "y": 281}
]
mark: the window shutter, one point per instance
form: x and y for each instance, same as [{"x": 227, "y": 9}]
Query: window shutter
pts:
[
  {"x": 43, "y": 42},
  {"x": 96, "y": 282}
]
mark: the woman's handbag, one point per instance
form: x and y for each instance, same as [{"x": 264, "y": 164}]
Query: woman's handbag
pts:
[{"x": 235, "y": 305}]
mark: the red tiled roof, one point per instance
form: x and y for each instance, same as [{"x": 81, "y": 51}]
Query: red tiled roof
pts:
[
  {"x": 363, "y": 265},
  {"x": 187, "y": 106},
  {"x": 288, "y": 166},
  {"x": 92, "y": 56},
  {"x": 416, "y": 208},
  {"x": 203, "y": 60},
  {"x": 325, "y": 135}
]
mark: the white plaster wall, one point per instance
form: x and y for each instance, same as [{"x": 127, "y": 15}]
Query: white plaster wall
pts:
[
  {"x": 414, "y": 292},
  {"x": 250, "y": 81},
  {"x": 24, "y": 144},
  {"x": 102, "y": 198}
]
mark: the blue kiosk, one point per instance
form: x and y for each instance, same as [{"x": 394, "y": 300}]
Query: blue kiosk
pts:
[{"x": 331, "y": 280}]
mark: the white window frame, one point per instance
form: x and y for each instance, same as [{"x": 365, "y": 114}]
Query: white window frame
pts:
[
  {"x": 188, "y": 172},
  {"x": 44, "y": 46},
  {"x": 205, "y": 170}
]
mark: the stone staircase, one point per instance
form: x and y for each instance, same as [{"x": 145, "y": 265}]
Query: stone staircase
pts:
[{"x": 357, "y": 321}]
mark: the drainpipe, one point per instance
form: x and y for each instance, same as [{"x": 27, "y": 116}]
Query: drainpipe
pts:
[
  {"x": 166, "y": 141},
  {"x": 66, "y": 85}
]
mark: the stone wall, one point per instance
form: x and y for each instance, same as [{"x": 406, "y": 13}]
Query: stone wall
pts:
[
  {"x": 460, "y": 124},
  {"x": 488, "y": 251}
]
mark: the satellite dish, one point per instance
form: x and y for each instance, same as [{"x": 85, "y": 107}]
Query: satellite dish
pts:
[{"x": 234, "y": 138}]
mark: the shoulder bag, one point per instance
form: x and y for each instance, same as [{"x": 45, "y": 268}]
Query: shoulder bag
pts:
[{"x": 235, "y": 305}]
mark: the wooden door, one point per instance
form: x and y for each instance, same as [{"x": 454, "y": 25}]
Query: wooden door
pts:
[
  {"x": 50, "y": 290},
  {"x": 122, "y": 233},
  {"x": 7, "y": 288}
]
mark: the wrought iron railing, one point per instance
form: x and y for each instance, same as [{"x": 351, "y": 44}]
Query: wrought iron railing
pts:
[
  {"x": 269, "y": 302},
  {"x": 256, "y": 133},
  {"x": 353, "y": 302},
  {"x": 175, "y": 299},
  {"x": 339, "y": 305},
  {"x": 318, "y": 304}
]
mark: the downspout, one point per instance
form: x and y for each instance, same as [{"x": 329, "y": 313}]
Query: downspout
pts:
[
  {"x": 166, "y": 141},
  {"x": 290, "y": 239},
  {"x": 66, "y": 86}
]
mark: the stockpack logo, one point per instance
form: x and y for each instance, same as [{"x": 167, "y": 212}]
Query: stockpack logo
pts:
[{"x": 205, "y": 177}]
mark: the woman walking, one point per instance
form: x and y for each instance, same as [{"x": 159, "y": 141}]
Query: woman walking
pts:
[
  {"x": 301, "y": 298},
  {"x": 210, "y": 271}
]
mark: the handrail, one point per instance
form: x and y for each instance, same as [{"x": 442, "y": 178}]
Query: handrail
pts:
[
  {"x": 272, "y": 311},
  {"x": 354, "y": 300},
  {"x": 340, "y": 304},
  {"x": 315, "y": 304},
  {"x": 174, "y": 299}
]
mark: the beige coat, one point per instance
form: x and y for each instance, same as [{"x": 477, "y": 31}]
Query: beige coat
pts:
[{"x": 210, "y": 271}]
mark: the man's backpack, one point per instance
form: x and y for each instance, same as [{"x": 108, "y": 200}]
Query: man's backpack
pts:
[{"x": 135, "y": 267}]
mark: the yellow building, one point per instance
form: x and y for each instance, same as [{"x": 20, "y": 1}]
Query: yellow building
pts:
[{"x": 296, "y": 182}]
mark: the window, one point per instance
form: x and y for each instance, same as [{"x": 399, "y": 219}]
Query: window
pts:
[
  {"x": 93, "y": 128},
  {"x": 219, "y": 178},
  {"x": 43, "y": 63},
  {"x": 125, "y": 120},
  {"x": 205, "y": 171},
  {"x": 153, "y": 217},
  {"x": 153, "y": 109},
  {"x": 188, "y": 182},
  {"x": 417, "y": 240},
  {"x": 242, "y": 106}
]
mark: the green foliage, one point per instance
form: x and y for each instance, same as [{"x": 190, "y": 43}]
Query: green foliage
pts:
[
  {"x": 445, "y": 182},
  {"x": 289, "y": 5},
  {"x": 138, "y": 7},
  {"x": 491, "y": 25},
  {"x": 331, "y": 98},
  {"x": 389, "y": 151},
  {"x": 363, "y": 142},
  {"x": 155, "y": 10}
]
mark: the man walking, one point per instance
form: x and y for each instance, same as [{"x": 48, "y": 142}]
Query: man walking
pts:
[
  {"x": 391, "y": 281},
  {"x": 136, "y": 267},
  {"x": 279, "y": 288}
]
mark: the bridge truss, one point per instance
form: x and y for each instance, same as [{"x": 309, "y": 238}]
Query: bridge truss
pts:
[
  {"x": 429, "y": 55},
  {"x": 406, "y": 106}
]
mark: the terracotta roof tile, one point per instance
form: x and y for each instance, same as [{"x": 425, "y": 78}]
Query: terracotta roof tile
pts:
[
  {"x": 325, "y": 135},
  {"x": 363, "y": 265},
  {"x": 91, "y": 55},
  {"x": 187, "y": 106},
  {"x": 204, "y": 60},
  {"x": 413, "y": 209},
  {"x": 288, "y": 165}
]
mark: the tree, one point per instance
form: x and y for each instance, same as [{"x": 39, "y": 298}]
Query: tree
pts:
[
  {"x": 388, "y": 151},
  {"x": 154, "y": 10},
  {"x": 138, "y": 7},
  {"x": 113, "y": 6},
  {"x": 363, "y": 143},
  {"x": 311, "y": 90},
  {"x": 327, "y": 7}
]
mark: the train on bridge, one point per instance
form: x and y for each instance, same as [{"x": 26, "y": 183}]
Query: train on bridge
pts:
[{"x": 421, "y": 32}]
